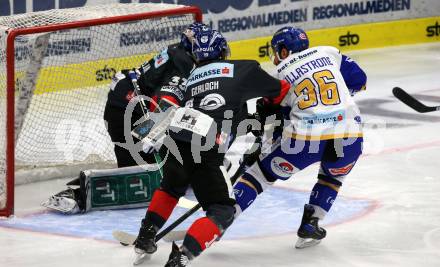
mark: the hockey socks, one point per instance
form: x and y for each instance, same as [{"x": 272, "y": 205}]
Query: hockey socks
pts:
[
  {"x": 161, "y": 207},
  {"x": 201, "y": 235},
  {"x": 246, "y": 191},
  {"x": 322, "y": 197}
]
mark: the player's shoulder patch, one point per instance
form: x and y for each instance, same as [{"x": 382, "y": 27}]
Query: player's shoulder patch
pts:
[
  {"x": 145, "y": 67},
  {"x": 161, "y": 58}
]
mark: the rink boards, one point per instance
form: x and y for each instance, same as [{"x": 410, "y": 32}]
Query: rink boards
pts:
[
  {"x": 94, "y": 73},
  {"x": 352, "y": 37}
]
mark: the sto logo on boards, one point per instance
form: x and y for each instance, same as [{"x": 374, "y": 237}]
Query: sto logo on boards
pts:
[
  {"x": 263, "y": 51},
  {"x": 349, "y": 39},
  {"x": 433, "y": 30},
  {"x": 105, "y": 73}
]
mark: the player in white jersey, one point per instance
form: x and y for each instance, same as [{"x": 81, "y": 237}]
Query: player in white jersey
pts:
[{"x": 322, "y": 124}]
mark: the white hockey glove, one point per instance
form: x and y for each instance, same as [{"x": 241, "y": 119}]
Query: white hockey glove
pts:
[{"x": 151, "y": 146}]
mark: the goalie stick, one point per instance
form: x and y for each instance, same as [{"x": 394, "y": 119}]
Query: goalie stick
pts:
[
  {"x": 413, "y": 103},
  {"x": 133, "y": 76}
]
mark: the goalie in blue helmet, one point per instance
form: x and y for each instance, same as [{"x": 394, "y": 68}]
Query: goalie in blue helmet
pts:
[
  {"x": 209, "y": 45},
  {"x": 322, "y": 124},
  {"x": 170, "y": 67},
  {"x": 187, "y": 36}
]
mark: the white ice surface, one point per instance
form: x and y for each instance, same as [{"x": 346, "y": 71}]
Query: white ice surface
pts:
[{"x": 400, "y": 171}]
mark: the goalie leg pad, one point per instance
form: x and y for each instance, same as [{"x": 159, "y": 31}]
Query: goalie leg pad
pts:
[{"x": 128, "y": 187}]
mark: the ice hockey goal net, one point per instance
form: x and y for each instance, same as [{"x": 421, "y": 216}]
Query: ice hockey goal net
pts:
[{"x": 55, "y": 68}]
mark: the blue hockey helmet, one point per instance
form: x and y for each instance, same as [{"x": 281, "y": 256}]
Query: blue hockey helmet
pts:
[
  {"x": 209, "y": 44},
  {"x": 187, "y": 36},
  {"x": 293, "y": 39}
]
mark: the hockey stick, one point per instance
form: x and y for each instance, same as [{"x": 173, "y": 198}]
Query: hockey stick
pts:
[
  {"x": 133, "y": 77},
  {"x": 413, "y": 103},
  {"x": 168, "y": 234},
  {"x": 249, "y": 160},
  {"x": 127, "y": 239},
  {"x": 118, "y": 234}
]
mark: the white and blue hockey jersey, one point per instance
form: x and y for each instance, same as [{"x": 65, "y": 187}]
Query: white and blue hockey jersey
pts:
[{"x": 319, "y": 105}]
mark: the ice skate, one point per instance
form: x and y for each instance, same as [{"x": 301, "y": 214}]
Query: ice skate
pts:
[
  {"x": 177, "y": 258},
  {"x": 309, "y": 232},
  {"x": 145, "y": 243}
]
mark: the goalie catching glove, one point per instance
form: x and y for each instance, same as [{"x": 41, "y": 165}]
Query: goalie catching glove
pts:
[{"x": 152, "y": 131}]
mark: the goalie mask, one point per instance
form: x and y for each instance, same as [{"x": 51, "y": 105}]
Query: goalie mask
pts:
[
  {"x": 209, "y": 44},
  {"x": 187, "y": 36}
]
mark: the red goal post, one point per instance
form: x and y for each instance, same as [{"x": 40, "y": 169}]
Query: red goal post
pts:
[{"x": 11, "y": 78}]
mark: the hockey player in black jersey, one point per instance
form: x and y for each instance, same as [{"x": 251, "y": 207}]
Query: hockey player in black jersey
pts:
[
  {"x": 209, "y": 118},
  {"x": 170, "y": 67}
]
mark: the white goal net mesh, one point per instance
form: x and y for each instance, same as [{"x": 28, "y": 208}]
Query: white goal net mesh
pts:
[{"x": 62, "y": 81}]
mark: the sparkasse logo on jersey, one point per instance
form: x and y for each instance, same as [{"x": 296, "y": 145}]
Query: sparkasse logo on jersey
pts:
[
  {"x": 433, "y": 30},
  {"x": 210, "y": 71},
  {"x": 349, "y": 39}
]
